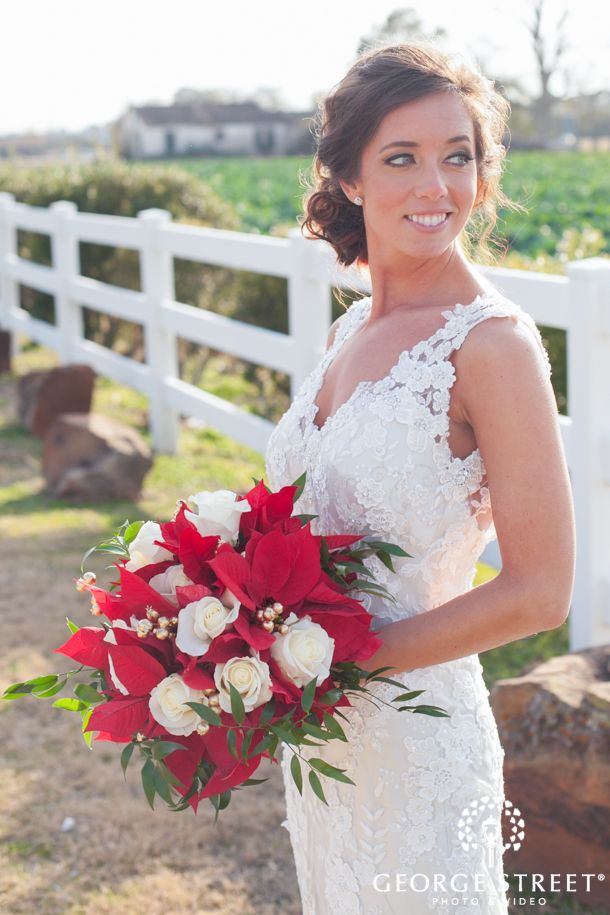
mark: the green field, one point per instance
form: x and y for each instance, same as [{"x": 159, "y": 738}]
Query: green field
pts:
[{"x": 562, "y": 191}]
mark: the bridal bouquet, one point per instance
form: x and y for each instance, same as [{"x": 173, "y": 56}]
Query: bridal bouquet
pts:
[{"x": 231, "y": 629}]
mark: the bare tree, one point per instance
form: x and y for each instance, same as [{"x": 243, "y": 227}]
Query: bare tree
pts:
[
  {"x": 400, "y": 25},
  {"x": 548, "y": 64},
  {"x": 188, "y": 95},
  {"x": 269, "y": 97}
]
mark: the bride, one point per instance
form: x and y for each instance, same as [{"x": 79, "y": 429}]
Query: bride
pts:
[{"x": 422, "y": 416}]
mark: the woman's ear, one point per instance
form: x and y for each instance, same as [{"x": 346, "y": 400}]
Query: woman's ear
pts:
[{"x": 349, "y": 190}]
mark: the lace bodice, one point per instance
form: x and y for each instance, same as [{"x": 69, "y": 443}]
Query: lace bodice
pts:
[{"x": 381, "y": 464}]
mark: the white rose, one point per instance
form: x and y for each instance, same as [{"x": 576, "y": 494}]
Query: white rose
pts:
[
  {"x": 202, "y": 620},
  {"x": 305, "y": 652},
  {"x": 216, "y": 513},
  {"x": 167, "y": 582},
  {"x": 251, "y": 678},
  {"x": 142, "y": 550},
  {"x": 110, "y": 637},
  {"x": 167, "y": 706}
]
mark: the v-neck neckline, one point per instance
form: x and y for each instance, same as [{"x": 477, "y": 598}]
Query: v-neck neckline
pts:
[{"x": 448, "y": 314}]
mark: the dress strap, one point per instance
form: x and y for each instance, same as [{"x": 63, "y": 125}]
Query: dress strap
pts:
[
  {"x": 349, "y": 320},
  {"x": 465, "y": 317}
]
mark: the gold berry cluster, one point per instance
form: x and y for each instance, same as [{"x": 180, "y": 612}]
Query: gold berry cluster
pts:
[
  {"x": 89, "y": 578},
  {"x": 270, "y": 618},
  {"x": 163, "y": 627}
]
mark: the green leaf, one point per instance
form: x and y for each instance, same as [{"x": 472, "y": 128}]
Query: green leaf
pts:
[
  {"x": 297, "y": 775},
  {"x": 253, "y": 781},
  {"x": 86, "y": 715},
  {"x": 331, "y": 771},
  {"x": 162, "y": 787},
  {"x": 162, "y": 748},
  {"x": 126, "y": 756},
  {"x": 71, "y": 705},
  {"x": 16, "y": 691},
  {"x": 388, "y": 680},
  {"x": 386, "y": 560},
  {"x": 434, "y": 710},
  {"x": 334, "y": 727},
  {"x": 266, "y": 742},
  {"x": 314, "y": 730},
  {"x": 333, "y": 695},
  {"x": 300, "y": 484},
  {"x": 286, "y": 736},
  {"x": 314, "y": 781},
  {"x": 404, "y": 697},
  {"x": 167, "y": 774},
  {"x": 43, "y": 682},
  {"x": 71, "y": 626},
  {"x": 204, "y": 711},
  {"x": 308, "y": 694},
  {"x": 148, "y": 782},
  {"x": 220, "y": 801},
  {"x": 51, "y": 692},
  {"x": 246, "y": 744},
  {"x": 392, "y": 548},
  {"x": 363, "y": 584},
  {"x": 131, "y": 531},
  {"x": 87, "y": 693},
  {"x": 232, "y": 743},
  {"x": 237, "y": 705},
  {"x": 267, "y": 712}
]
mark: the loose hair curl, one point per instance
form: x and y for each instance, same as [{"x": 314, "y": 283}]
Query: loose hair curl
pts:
[{"x": 380, "y": 80}]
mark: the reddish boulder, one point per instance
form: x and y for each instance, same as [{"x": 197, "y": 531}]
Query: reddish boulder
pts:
[
  {"x": 554, "y": 725},
  {"x": 42, "y": 395},
  {"x": 92, "y": 457}
]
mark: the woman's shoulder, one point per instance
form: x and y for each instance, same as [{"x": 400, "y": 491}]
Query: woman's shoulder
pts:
[{"x": 485, "y": 335}]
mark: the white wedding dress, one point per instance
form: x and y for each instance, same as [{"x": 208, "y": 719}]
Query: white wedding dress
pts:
[{"x": 429, "y": 791}]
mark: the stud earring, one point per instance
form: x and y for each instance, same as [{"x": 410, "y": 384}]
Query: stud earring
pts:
[{"x": 358, "y": 201}]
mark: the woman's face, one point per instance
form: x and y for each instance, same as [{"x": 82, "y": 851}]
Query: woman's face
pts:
[{"x": 409, "y": 167}]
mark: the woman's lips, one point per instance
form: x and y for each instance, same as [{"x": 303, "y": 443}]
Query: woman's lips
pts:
[{"x": 433, "y": 228}]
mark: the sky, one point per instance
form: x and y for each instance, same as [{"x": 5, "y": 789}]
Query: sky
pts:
[{"x": 71, "y": 64}]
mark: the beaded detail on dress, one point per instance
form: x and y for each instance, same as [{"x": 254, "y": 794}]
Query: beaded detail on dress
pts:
[{"x": 381, "y": 465}]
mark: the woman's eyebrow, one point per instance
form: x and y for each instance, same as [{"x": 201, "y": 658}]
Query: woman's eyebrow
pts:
[{"x": 412, "y": 143}]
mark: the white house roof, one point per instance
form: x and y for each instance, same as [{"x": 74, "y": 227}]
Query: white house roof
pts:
[{"x": 211, "y": 113}]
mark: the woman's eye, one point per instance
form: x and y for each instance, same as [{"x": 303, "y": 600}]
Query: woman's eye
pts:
[{"x": 463, "y": 156}]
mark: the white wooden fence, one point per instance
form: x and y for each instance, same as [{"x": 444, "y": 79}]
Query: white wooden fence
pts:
[{"x": 579, "y": 303}]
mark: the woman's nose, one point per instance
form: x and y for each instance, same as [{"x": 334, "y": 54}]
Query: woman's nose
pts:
[{"x": 432, "y": 184}]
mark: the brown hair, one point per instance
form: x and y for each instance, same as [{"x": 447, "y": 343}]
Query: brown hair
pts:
[{"x": 379, "y": 81}]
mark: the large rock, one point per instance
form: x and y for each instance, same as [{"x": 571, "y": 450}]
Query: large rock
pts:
[
  {"x": 93, "y": 457},
  {"x": 43, "y": 395},
  {"x": 554, "y": 724}
]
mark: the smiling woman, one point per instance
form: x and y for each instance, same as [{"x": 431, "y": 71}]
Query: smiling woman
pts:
[
  {"x": 342, "y": 128},
  {"x": 429, "y": 425}
]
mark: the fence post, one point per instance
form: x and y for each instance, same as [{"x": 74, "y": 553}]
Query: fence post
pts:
[
  {"x": 309, "y": 307},
  {"x": 157, "y": 276},
  {"x": 66, "y": 263},
  {"x": 9, "y": 290},
  {"x": 588, "y": 348}
]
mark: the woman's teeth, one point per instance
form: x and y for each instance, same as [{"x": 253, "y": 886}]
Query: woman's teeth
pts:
[{"x": 429, "y": 220}]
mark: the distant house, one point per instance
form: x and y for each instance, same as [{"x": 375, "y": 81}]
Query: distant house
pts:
[{"x": 206, "y": 128}]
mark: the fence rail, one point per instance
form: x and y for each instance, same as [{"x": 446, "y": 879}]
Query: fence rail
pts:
[{"x": 578, "y": 303}]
